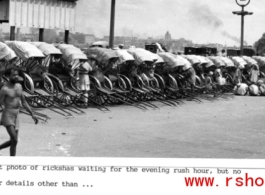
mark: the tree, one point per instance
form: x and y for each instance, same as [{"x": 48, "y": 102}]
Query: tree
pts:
[{"x": 260, "y": 45}]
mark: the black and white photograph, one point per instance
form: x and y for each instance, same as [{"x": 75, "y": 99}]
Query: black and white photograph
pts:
[{"x": 145, "y": 79}]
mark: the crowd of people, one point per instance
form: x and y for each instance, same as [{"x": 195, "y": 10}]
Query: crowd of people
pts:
[{"x": 246, "y": 81}]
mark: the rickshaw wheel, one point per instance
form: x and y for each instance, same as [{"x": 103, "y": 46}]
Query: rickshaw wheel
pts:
[
  {"x": 28, "y": 83},
  {"x": 121, "y": 83},
  {"x": 67, "y": 99},
  {"x": 160, "y": 81},
  {"x": 127, "y": 82},
  {"x": 48, "y": 85},
  {"x": 56, "y": 91},
  {"x": 154, "y": 83},
  {"x": 95, "y": 96},
  {"x": 107, "y": 83},
  {"x": 144, "y": 79},
  {"x": 172, "y": 82},
  {"x": 198, "y": 81}
]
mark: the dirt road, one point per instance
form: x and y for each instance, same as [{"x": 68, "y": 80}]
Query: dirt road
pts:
[{"x": 220, "y": 129}]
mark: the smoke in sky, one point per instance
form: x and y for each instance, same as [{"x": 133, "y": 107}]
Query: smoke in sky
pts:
[
  {"x": 202, "y": 15},
  {"x": 234, "y": 38}
]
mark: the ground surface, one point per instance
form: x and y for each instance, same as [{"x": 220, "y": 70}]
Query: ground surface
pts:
[{"x": 220, "y": 129}]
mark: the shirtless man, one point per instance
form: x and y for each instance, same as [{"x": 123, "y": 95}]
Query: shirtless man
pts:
[{"x": 11, "y": 97}]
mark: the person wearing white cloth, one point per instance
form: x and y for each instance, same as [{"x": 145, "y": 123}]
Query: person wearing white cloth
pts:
[
  {"x": 241, "y": 89},
  {"x": 84, "y": 81},
  {"x": 219, "y": 77},
  {"x": 254, "y": 90},
  {"x": 254, "y": 74},
  {"x": 238, "y": 74}
]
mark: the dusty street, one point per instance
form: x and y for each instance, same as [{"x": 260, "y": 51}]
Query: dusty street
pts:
[{"x": 220, "y": 129}]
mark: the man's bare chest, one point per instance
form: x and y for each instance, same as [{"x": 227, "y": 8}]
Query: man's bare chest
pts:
[{"x": 13, "y": 93}]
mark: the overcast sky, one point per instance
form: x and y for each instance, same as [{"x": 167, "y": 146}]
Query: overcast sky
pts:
[{"x": 202, "y": 21}]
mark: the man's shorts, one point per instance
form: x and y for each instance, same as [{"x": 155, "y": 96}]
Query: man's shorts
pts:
[{"x": 10, "y": 117}]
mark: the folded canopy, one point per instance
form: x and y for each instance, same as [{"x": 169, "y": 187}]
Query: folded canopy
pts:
[
  {"x": 227, "y": 61},
  {"x": 141, "y": 55},
  {"x": 209, "y": 62},
  {"x": 159, "y": 59},
  {"x": 250, "y": 61},
  {"x": 102, "y": 55},
  {"x": 260, "y": 60},
  {"x": 47, "y": 49},
  {"x": 192, "y": 59},
  {"x": 124, "y": 56},
  {"x": 103, "y": 44},
  {"x": 173, "y": 60},
  {"x": 6, "y": 54},
  {"x": 71, "y": 53},
  {"x": 25, "y": 50},
  {"x": 238, "y": 61},
  {"x": 201, "y": 59},
  {"x": 217, "y": 61}
]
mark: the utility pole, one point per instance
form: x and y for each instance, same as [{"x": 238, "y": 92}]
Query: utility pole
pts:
[
  {"x": 112, "y": 23},
  {"x": 242, "y": 13}
]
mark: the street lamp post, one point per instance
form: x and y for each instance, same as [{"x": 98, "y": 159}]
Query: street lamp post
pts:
[{"x": 242, "y": 13}]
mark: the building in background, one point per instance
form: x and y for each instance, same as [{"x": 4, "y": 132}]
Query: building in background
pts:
[
  {"x": 89, "y": 39},
  {"x": 44, "y": 14}
]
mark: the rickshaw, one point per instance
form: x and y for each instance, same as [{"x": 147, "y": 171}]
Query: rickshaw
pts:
[
  {"x": 225, "y": 80},
  {"x": 199, "y": 64},
  {"x": 146, "y": 86},
  {"x": 170, "y": 72},
  {"x": 38, "y": 90},
  {"x": 124, "y": 65},
  {"x": 53, "y": 57},
  {"x": 228, "y": 73},
  {"x": 66, "y": 79},
  {"x": 107, "y": 86},
  {"x": 7, "y": 59},
  {"x": 239, "y": 61}
]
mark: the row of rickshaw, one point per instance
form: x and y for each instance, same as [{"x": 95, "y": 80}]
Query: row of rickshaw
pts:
[{"x": 134, "y": 77}]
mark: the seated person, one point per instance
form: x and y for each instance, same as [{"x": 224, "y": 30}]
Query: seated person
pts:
[
  {"x": 254, "y": 90},
  {"x": 241, "y": 89},
  {"x": 209, "y": 81}
]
